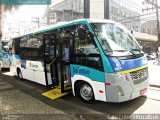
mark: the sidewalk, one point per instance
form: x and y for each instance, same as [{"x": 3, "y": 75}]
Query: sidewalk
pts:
[{"x": 154, "y": 74}]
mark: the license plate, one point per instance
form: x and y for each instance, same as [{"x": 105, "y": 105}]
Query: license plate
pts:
[{"x": 143, "y": 91}]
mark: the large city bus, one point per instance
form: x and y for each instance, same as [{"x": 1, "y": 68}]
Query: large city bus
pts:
[
  {"x": 98, "y": 59},
  {"x": 4, "y": 55}
]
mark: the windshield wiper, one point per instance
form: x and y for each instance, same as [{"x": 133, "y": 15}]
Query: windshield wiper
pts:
[
  {"x": 116, "y": 50},
  {"x": 139, "y": 50},
  {"x": 131, "y": 51}
]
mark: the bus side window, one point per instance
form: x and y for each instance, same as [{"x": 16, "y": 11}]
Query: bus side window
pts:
[
  {"x": 86, "y": 51},
  {"x": 31, "y": 47}
]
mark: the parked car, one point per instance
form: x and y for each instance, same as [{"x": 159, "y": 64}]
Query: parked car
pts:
[{"x": 151, "y": 56}]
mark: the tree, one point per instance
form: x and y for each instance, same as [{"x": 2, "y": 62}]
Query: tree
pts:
[
  {"x": 6, "y": 8},
  {"x": 10, "y": 7}
]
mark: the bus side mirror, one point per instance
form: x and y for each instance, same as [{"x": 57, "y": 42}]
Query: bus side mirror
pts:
[
  {"x": 90, "y": 33},
  {"x": 84, "y": 33}
]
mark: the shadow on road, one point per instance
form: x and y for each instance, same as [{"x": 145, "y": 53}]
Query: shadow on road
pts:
[
  {"x": 111, "y": 108},
  {"x": 73, "y": 105}
]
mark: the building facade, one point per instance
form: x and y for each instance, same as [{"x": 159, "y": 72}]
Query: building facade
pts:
[
  {"x": 116, "y": 10},
  {"x": 123, "y": 11},
  {"x": 149, "y": 27},
  {"x": 66, "y": 10}
]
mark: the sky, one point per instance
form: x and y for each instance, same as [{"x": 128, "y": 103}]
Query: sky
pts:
[{"x": 26, "y": 12}]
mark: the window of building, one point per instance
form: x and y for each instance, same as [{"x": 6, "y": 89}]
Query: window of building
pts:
[{"x": 68, "y": 10}]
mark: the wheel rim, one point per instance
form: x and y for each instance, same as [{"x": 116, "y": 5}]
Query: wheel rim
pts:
[{"x": 86, "y": 92}]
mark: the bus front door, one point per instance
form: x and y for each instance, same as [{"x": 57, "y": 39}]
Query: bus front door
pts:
[
  {"x": 64, "y": 62},
  {"x": 57, "y": 61},
  {"x": 50, "y": 61}
]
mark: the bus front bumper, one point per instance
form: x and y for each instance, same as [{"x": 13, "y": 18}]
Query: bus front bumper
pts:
[
  {"x": 135, "y": 93},
  {"x": 121, "y": 90}
]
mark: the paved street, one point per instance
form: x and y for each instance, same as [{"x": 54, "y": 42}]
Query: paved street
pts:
[
  {"x": 23, "y": 100},
  {"x": 154, "y": 71}
]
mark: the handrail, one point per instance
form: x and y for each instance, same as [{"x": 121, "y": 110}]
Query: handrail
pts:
[{"x": 52, "y": 62}]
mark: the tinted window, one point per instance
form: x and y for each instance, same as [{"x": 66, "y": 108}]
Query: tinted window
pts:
[
  {"x": 86, "y": 51},
  {"x": 31, "y": 47}
]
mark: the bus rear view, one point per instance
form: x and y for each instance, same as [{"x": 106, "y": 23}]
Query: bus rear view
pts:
[{"x": 128, "y": 77}]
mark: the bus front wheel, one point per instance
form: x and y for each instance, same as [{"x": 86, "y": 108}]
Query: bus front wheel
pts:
[
  {"x": 19, "y": 74},
  {"x": 85, "y": 92}
]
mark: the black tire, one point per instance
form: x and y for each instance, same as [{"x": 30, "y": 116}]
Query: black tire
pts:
[
  {"x": 81, "y": 92},
  {"x": 19, "y": 74}
]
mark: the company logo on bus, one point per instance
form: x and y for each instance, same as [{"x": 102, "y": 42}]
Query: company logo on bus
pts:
[
  {"x": 118, "y": 67},
  {"x": 33, "y": 66},
  {"x": 81, "y": 71}
]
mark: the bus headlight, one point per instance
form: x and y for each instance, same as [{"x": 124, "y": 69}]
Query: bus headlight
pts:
[{"x": 121, "y": 76}]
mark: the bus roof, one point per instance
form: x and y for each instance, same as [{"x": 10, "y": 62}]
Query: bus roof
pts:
[{"x": 59, "y": 24}]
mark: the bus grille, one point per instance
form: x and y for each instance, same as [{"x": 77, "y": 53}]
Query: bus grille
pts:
[{"x": 139, "y": 76}]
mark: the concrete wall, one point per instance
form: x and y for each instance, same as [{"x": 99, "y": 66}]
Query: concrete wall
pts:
[
  {"x": 55, "y": 2},
  {"x": 97, "y": 9},
  {"x": 145, "y": 37}
]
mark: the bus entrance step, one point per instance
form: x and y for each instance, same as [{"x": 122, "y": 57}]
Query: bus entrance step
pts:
[{"x": 54, "y": 93}]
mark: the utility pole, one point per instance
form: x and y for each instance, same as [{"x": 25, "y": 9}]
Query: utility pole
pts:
[
  {"x": 154, "y": 4},
  {"x": 48, "y": 15}
]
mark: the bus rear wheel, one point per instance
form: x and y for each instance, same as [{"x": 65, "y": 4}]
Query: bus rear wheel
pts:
[
  {"x": 85, "y": 92},
  {"x": 19, "y": 74}
]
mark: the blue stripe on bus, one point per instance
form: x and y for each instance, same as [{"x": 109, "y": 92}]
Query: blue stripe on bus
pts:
[
  {"x": 15, "y": 58},
  {"x": 91, "y": 73},
  {"x": 122, "y": 65}
]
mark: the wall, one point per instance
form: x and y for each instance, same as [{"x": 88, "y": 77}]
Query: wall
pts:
[{"x": 97, "y": 9}]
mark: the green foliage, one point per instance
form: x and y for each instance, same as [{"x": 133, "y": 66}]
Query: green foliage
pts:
[{"x": 10, "y": 7}]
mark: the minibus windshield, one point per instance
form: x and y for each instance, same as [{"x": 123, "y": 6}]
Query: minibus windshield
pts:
[{"x": 115, "y": 38}]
